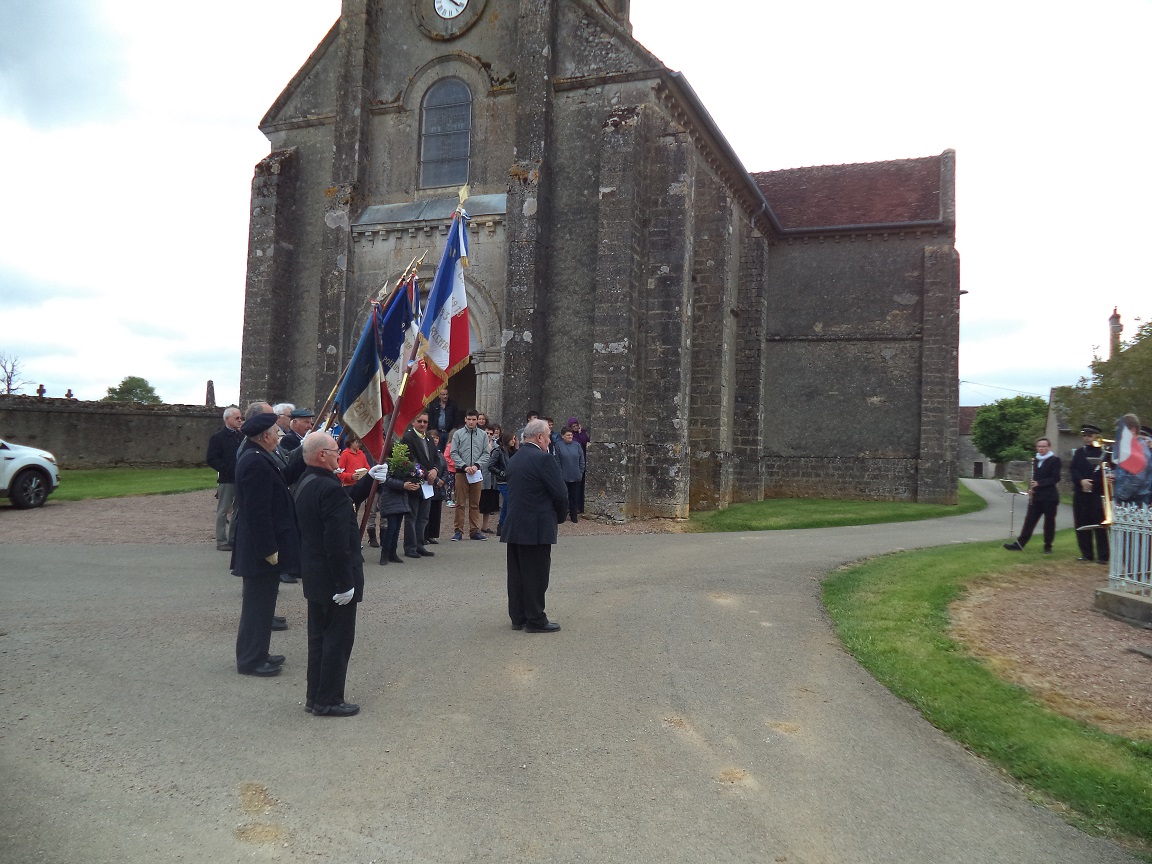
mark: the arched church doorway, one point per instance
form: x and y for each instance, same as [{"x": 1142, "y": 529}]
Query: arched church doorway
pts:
[{"x": 462, "y": 387}]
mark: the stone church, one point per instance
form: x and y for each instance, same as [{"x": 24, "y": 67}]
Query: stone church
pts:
[{"x": 726, "y": 336}]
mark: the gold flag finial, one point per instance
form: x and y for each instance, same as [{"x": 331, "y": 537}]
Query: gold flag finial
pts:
[{"x": 463, "y": 194}]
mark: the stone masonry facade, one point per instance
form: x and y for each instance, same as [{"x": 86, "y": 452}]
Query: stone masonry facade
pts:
[{"x": 725, "y": 336}]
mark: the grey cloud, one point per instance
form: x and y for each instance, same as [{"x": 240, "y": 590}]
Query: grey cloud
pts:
[
  {"x": 154, "y": 330},
  {"x": 19, "y": 291},
  {"x": 59, "y": 63}
]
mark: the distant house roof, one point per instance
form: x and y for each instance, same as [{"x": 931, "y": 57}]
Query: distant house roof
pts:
[
  {"x": 965, "y": 414},
  {"x": 869, "y": 193}
]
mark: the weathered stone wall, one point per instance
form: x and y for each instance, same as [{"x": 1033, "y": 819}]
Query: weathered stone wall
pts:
[
  {"x": 110, "y": 434},
  {"x": 857, "y": 335}
]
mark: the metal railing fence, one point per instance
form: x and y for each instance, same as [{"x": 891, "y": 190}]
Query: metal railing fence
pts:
[{"x": 1130, "y": 539}]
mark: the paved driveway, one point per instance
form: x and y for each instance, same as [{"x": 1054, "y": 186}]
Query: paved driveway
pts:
[{"x": 695, "y": 708}]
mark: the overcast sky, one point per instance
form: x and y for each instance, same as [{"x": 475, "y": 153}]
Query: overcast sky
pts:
[{"x": 129, "y": 137}]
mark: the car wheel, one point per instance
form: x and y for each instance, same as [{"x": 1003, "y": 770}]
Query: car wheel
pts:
[{"x": 29, "y": 489}]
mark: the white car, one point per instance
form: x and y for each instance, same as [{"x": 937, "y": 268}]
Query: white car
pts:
[{"x": 27, "y": 475}]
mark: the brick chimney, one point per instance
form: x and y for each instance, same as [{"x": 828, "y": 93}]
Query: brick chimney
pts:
[{"x": 1115, "y": 328}]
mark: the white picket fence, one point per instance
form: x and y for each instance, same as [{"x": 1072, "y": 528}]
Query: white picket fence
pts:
[{"x": 1130, "y": 562}]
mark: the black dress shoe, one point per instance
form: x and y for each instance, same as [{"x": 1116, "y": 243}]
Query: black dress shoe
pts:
[
  {"x": 288, "y": 579},
  {"x": 431, "y": 541},
  {"x": 425, "y": 553},
  {"x": 1014, "y": 546},
  {"x": 396, "y": 559},
  {"x": 275, "y": 660},
  {"x": 550, "y": 627},
  {"x": 264, "y": 670},
  {"x": 517, "y": 626},
  {"x": 411, "y": 554},
  {"x": 1089, "y": 560},
  {"x": 308, "y": 706},
  {"x": 341, "y": 709},
  {"x": 279, "y": 624}
]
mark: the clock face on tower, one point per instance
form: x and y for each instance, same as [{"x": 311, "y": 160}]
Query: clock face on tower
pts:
[
  {"x": 449, "y": 8},
  {"x": 446, "y": 19}
]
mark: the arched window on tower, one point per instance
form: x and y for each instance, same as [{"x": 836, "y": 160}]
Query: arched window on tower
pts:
[{"x": 445, "y": 133}]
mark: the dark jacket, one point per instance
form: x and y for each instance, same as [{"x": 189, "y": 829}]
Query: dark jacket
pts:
[
  {"x": 537, "y": 498},
  {"x": 452, "y": 418},
  {"x": 266, "y": 517},
  {"x": 221, "y": 456},
  {"x": 1082, "y": 469},
  {"x": 421, "y": 450},
  {"x": 1047, "y": 477},
  {"x": 330, "y": 557},
  {"x": 290, "y": 441},
  {"x": 392, "y": 497}
]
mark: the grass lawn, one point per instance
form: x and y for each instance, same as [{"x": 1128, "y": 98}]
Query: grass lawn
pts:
[
  {"x": 892, "y": 614},
  {"x": 119, "y": 482},
  {"x": 777, "y": 514}
]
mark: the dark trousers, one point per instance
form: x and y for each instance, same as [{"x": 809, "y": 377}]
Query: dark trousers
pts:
[
  {"x": 416, "y": 522},
  {"x": 256, "y": 612},
  {"x": 435, "y": 508},
  {"x": 528, "y": 569},
  {"x": 331, "y": 632},
  {"x": 1036, "y": 509},
  {"x": 580, "y": 500},
  {"x": 390, "y": 534},
  {"x": 1088, "y": 509},
  {"x": 573, "y": 499}
]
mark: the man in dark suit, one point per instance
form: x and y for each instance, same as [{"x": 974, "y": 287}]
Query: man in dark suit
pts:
[
  {"x": 444, "y": 416},
  {"x": 422, "y": 451},
  {"x": 332, "y": 568},
  {"x": 267, "y": 543},
  {"x": 537, "y": 502},
  {"x": 1043, "y": 498},
  {"x": 221, "y": 457}
]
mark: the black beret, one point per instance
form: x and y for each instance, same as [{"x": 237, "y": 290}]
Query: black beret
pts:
[
  {"x": 258, "y": 424},
  {"x": 302, "y": 412}
]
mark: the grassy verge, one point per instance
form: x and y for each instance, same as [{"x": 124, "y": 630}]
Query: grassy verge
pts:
[
  {"x": 777, "y": 514},
  {"x": 119, "y": 482},
  {"x": 892, "y": 614}
]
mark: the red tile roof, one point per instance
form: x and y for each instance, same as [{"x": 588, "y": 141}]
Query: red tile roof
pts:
[
  {"x": 965, "y": 414},
  {"x": 869, "y": 193}
]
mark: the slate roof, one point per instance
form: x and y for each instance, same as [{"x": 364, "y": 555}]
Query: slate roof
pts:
[{"x": 870, "y": 193}]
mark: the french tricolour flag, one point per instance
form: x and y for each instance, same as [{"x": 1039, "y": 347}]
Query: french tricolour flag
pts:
[
  {"x": 1128, "y": 454},
  {"x": 445, "y": 344},
  {"x": 364, "y": 397}
]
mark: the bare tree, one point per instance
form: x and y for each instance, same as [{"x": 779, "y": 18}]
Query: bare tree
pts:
[{"x": 10, "y": 380}]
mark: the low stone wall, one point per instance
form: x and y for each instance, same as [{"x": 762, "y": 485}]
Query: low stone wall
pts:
[{"x": 110, "y": 434}]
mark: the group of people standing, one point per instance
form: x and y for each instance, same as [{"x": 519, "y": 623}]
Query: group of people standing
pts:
[
  {"x": 1088, "y": 463},
  {"x": 287, "y": 507}
]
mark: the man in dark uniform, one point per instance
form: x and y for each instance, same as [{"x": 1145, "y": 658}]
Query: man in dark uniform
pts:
[
  {"x": 299, "y": 425},
  {"x": 1087, "y": 497},
  {"x": 332, "y": 568},
  {"x": 537, "y": 502},
  {"x": 267, "y": 543}
]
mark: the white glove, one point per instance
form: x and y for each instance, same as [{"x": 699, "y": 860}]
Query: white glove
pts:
[
  {"x": 379, "y": 473},
  {"x": 273, "y": 559},
  {"x": 345, "y": 598}
]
